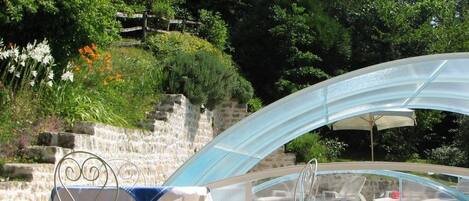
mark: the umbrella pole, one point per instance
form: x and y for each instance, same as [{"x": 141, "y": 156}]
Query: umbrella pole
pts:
[{"x": 372, "y": 151}]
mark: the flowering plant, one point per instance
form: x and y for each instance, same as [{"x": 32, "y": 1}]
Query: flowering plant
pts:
[
  {"x": 94, "y": 67},
  {"x": 30, "y": 66}
]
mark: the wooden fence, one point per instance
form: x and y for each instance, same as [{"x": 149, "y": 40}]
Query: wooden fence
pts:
[{"x": 145, "y": 28}]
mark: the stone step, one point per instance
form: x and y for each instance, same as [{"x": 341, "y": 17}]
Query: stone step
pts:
[
  {"x": 158, "y": 115},
  {"x": 14, "y": 185},
  {"x": 62, "y": 139},
  {"x": 14, "y": 171},
  {"x": 25, "y": 171},
  {"x": 46, "y": 154},
  {"x": 84, "y": 128}
]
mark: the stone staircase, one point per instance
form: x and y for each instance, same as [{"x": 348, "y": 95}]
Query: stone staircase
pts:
[
  {"x": 34, "y": 181},
  {"x": 27, "y": 181}
]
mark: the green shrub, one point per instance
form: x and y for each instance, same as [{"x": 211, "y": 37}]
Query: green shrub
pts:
[
  {"x": 164, "y": 45},
  {"x": 201, "y": 76},
  {"x": 242, "y": 90},
  {"x": 163, "y": 9},
  {"x": 310, "y": 145},
  {"x": 197, "y": 69},
  {"x": 448, "y": 155},
  {"x": 307, "y": 147},
  {"x": 334, "y": 148},
  {"x": 213, "y": 28},
  {"x": 254, "y": 104}
]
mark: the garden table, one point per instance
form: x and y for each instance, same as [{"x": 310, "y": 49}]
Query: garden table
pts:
[{"x": 135, "y": 193}]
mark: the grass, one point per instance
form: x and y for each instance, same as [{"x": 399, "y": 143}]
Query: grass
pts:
[{"x": 141, "y": 86}]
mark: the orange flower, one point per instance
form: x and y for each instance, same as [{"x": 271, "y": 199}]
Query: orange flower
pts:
[
  {"x": 118, "y": 76},
  {"x": 88, "y": 50},
  {"x": 108, "y": 57},
  {"x": 87, "y": 60},
  {"x": 93, "y": 46}
]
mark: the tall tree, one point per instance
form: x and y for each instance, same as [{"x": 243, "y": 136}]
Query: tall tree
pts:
[
  {"x": 278, "y": 42},
  {"x": 384, "y": 30}
]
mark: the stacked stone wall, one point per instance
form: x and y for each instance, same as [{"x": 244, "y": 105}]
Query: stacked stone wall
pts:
[
  {"x": 173, "y": 132},
  {"x": 229, "y": 113},
  {"x": 276, "y": 159}
]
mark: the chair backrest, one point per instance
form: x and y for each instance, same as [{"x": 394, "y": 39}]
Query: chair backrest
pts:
[
  {"x": 84, "y": 169},
  {"x": 463, "y": 185},
  {"x": 353, "y": 186},
  {"x": 127, "y": 172},
  {"x": 305, "y": 187}
]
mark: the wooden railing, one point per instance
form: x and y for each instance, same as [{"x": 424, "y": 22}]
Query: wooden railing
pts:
[{"x": 145, "y": 28}]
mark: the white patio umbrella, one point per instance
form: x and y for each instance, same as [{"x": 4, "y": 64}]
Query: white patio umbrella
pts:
[{"x": 385, "y": 119}]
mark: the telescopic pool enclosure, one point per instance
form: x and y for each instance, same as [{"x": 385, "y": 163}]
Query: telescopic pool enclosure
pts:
[{"x": 438, "y": 82}]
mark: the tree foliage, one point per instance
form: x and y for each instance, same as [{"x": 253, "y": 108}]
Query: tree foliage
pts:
[
  {"x": 67, "y": 24},
  {"x": 213, "y": 28},
  {"x": 275, "y": 38},
  {"x": 462, "y": 137},
  {"x": 400, "y": 144},
  {"x": 385, "y": 30}
]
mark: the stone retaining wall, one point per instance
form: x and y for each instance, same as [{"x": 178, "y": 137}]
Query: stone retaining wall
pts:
[
  {"x": 179, "y": 131},
  {"x": 175, "y": 131},
  {"x": 229, "y": 113},
  {"x": 276, "y": 159}
]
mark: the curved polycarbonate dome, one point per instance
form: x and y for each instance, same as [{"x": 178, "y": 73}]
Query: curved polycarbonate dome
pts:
[
  {"x": 406, "y": 183},
  {"x": 429, "y": 82}
]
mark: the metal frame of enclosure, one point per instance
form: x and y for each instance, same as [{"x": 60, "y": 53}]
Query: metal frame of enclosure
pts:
[{"x": 438, "y": 82}]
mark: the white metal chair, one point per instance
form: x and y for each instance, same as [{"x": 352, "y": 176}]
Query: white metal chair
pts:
[
  {"x": 463, "y": 185},
  {"x": 350, "y": 190},
  {"x": 305, "y": 187},
  {"x": 127, "y": 172},
  {"x": 84, "y": 169}
]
